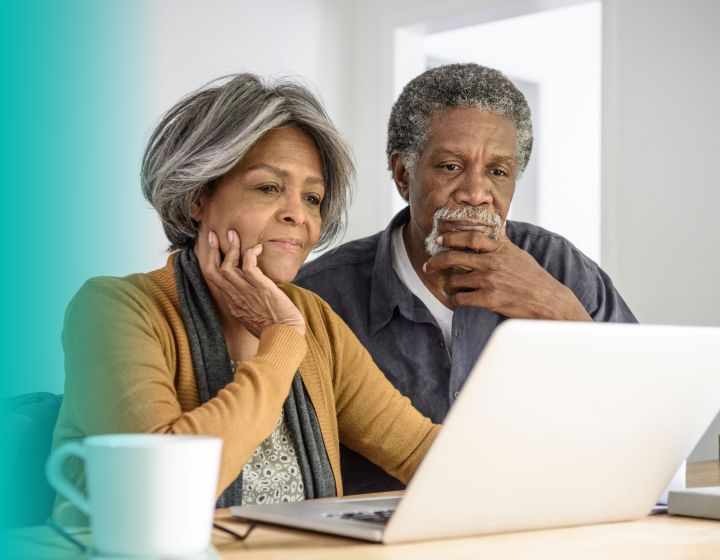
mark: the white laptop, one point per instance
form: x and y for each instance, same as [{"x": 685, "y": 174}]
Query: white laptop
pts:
[{"x": 559, "y": 424}]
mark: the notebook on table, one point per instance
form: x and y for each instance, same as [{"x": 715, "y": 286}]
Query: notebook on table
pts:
[
  {"x": 558, "y": 424},
  {"x": 695, "y": 502}
]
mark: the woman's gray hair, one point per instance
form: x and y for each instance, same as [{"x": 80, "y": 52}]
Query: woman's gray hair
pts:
[
  {"x": 209, "y": 131},
  {"x": 455, "y": 85}
]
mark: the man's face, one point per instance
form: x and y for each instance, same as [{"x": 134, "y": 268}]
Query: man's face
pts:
[{"x": 467, "y": 167}]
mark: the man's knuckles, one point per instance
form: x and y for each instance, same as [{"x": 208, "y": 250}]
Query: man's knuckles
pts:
[
  {"x": 448, "y": 259},
  {"x": 494, "y": 263},
  {"x": 488, "y": 297},
  {"x": 474, "y": 240}
]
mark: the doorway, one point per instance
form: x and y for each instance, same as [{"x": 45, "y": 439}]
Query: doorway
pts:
[{"x": 554, "y": 57}]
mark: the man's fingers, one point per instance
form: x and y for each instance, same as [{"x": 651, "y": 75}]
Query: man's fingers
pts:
[
  {"x": 476, "y": 240},
  {"x": 466, "y": 282},
  {"x": 452, "y": 259}
]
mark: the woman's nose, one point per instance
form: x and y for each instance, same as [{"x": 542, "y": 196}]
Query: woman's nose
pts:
[{"x": 292, "y": 210}]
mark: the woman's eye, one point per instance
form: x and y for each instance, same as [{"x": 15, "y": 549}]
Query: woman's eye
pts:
[
  {"x": 313, "y": 199},
  {"x": 269, "y": 188}
]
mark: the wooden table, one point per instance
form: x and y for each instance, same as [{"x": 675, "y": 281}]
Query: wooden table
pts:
[{"x": 658, "y": 537}]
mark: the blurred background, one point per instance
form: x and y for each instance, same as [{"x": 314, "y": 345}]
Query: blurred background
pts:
[{"x": 623, "y": 94}]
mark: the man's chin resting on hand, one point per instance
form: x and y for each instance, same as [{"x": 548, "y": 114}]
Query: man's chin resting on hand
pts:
[{"x": 425, "y": 294}]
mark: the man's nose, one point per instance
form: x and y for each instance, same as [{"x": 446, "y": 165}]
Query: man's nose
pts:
[{"x": 475, "y": 189}]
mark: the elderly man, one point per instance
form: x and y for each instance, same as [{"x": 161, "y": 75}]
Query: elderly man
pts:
[{"x": 425, "y": 294}]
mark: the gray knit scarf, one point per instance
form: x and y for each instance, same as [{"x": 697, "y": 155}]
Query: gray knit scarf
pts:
[{"x": 213, "y": 371}]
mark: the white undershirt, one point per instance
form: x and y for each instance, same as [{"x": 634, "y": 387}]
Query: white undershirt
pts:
[{"x": 405, "y": 271}]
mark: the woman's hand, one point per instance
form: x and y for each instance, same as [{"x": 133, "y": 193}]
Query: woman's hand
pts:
[{"x": 248, "y": 294}]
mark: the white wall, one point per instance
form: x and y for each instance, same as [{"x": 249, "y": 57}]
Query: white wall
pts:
[{"x": 661, "y": 193}]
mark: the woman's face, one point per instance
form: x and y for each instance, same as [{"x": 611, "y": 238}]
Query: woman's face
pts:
[{"x": 272, "y": 196}]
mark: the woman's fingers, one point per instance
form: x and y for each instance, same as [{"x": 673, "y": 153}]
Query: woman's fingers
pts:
[
  {"x": 267, "y": 293},
  {"x": 250, "y": 296},
  {"x": 214, "y": 269},
  {"x": 211, "y": 262},
  {"x": 250, "y": 257},
  {"x": 252, "y": 272},
  {"x": 231, "y": 261},
  {"x": 213, "y": 254}
]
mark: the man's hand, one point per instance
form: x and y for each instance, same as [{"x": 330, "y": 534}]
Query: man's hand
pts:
[{"x": 499, "y": 276}]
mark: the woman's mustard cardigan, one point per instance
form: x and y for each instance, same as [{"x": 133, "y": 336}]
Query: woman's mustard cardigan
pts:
[{"x": 129, "y": 369}]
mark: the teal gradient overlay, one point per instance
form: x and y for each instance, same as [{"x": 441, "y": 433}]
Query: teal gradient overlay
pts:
[{"x": 74, "y": 74}]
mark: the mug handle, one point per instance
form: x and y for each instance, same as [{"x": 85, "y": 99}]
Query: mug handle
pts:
[{"x": 53, "y": 471}]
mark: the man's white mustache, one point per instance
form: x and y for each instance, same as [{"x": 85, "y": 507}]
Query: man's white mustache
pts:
[{"x": 445, "y": 214}]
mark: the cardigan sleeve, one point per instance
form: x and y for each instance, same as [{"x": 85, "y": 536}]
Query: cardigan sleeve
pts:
[
  {"x": 373, "y": 417},
  {"x": 120, "y": 376}
]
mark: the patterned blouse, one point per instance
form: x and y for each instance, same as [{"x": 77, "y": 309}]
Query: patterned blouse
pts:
[{"x": 272, "y": 475}]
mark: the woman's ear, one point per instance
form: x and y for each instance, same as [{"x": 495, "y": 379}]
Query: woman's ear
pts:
[
  {"x": 401, "y": 175},
  {"x": 196, "y": 210}
]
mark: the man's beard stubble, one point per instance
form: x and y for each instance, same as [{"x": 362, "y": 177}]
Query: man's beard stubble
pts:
[{"x": 474, "y": 213}]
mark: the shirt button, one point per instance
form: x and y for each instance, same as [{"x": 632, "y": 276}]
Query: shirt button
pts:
[
  {"x": 442, "y": 344},
  {"x": 456, "y": 394}
]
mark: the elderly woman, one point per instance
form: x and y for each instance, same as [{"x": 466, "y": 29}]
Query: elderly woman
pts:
[{"x": 247, "y": 178}]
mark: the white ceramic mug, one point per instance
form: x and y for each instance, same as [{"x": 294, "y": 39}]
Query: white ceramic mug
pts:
[{"x": 147, "y": 494}]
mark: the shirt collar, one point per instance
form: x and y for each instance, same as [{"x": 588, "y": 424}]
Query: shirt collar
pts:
[{"x": 387, "y": 292}]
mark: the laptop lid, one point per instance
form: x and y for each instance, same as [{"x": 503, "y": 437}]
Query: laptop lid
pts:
[
  {"x": 558, "y": 424},
  {"x": 564, "y": 423}
]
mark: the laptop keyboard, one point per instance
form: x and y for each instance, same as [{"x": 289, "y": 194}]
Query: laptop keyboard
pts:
[{"x": 381, "y": 516}]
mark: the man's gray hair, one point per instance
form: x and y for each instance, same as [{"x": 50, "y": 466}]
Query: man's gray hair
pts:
[
  {"x": 209, "y": 131},
  {"x": 449, "y": 86}
]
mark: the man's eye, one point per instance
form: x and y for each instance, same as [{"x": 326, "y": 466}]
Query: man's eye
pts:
[
  {"x": 498, "y": 172},
  {"x": 450, "y": 166},
  {"x": 269, "y": 188}
]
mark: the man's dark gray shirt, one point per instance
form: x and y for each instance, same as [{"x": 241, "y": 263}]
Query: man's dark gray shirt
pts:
[{"x": 358, "y": 280}]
